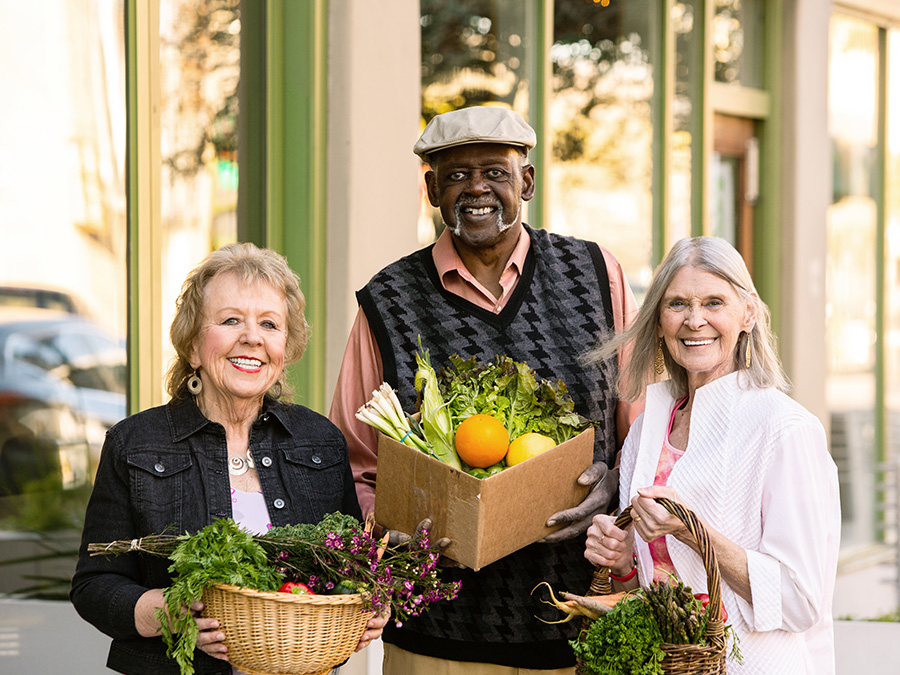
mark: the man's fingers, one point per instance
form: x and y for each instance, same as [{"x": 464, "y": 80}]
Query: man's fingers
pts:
[
  {"x": 567, "y": 516},
  {"x": 595, "y": 472},
  {"x": 395, "y": 537},
  {"x": 567, "y": 532}
]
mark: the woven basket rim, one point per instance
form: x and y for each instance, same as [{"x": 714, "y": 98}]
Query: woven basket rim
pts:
[{"x": 311, "y": 599}]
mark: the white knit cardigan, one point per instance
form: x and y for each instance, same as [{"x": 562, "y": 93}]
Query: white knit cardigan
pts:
[{"x": 757, "y": 470}]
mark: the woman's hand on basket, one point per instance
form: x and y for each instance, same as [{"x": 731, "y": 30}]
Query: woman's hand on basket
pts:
[
  {"x": 608, "y": 545},
  {"x": 210, "y": 640},
  {"x": 651, "y": 520},
  {"x": 374, "y": 628}
]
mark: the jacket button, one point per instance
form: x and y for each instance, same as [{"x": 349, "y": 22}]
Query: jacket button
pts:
[
  {"x": 316, "y": 459},
  {"x": 278, "y": 503},
  {"x": 266, "y": 461},
  {"x": 160, "y": 467}
]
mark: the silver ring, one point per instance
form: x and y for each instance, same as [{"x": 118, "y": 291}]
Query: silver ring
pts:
[{"x": 602, "y": 537}]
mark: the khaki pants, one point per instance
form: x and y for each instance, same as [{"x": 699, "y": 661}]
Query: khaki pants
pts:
[{"x": 401, "y": 662}]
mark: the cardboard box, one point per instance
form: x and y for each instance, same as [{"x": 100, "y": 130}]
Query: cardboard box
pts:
[{"x": 485, "y": 519}]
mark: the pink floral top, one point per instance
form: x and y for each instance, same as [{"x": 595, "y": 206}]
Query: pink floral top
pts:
[{"x": 659, "y": 552}]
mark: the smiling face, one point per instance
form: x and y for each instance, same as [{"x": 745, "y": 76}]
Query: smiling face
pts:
[
  {"x": 701, "y": 318},
  {"x": 239, "y": 351},
  {"x": 480, "y": 188}
]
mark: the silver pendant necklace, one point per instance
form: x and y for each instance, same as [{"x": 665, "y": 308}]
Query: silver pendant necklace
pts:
[{"x": 238, "y": 466}]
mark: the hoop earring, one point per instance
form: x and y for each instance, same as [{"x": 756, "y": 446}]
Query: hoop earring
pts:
[
  {"x": 194, "y": 383},
  {"x": 747, "y": 357},
  {"x": 659, "y": 364}
]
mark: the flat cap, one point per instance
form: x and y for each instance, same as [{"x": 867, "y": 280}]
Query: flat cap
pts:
[{"x": 478, "y": 124}]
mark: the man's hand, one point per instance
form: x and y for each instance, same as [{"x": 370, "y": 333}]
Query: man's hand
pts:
[
  {"x": 396, "y": 537},
  {"x": 605, "y": 483}
]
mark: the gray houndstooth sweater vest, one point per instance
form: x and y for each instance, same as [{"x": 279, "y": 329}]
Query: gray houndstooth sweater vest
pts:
[{"x": 558, "y": 310}]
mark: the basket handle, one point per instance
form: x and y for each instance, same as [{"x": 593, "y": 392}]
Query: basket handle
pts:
[{"x": 715, "y": 631}]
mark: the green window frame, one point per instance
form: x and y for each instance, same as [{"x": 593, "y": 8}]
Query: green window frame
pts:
[{"x": 282, "y": 172}]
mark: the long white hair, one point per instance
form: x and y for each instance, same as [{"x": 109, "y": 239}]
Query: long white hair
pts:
[{"x": 718, "y": 257}]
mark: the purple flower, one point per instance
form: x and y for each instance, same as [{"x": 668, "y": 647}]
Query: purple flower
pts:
[{"x": 333, "y": 540}]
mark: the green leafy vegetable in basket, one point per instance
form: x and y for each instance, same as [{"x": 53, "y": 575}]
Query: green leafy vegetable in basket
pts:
[
  {"x": 513, "y": 393},
  {"x": 336, "y": 555},
  {"x": 626, "y": 641},
  {"x": 221, "y": 553}
]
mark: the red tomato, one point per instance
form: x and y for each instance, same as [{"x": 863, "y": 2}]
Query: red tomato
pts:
[
  {"x": 296, "y": 588},
  {"x": 704, "y": 600}
]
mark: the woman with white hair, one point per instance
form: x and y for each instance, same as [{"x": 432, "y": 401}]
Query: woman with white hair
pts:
[{"x": 721, "y": 437}]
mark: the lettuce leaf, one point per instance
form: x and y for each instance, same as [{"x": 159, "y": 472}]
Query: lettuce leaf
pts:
[{"x": 513, "y": 393}]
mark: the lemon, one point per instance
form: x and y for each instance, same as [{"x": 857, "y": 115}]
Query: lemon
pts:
[{"x": 527, "y": 446}]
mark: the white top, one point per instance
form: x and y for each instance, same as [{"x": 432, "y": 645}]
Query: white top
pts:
[
  {"x": 757, "y": 469},
  {"x": 248, "y": 509}
]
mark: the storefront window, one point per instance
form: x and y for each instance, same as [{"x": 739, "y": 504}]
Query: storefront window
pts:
[
  {"x": 473, "y": 53},
  {"x": 62, "y": 278},
  {"x": 850, "y": 275},
  {"x": 686, "y": 117},
  {"x": 600, "y": 128},
  {"x": 892, "y": 252},
  {"x": 199, "y": 74},
  {"x": 738, "y": 27}
]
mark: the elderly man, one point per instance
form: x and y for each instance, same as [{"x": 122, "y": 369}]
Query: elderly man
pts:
[{"x": 490, "y": 285}]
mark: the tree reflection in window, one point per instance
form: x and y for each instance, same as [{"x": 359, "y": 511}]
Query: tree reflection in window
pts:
[{"x": 473, "y": 53}]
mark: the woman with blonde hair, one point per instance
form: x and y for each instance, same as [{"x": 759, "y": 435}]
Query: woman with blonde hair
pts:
[
  {"x": 720, "y": 436},
  {"x": 224, "y": 446}
]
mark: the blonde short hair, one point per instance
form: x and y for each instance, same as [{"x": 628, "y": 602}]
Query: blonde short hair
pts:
[{"x": 251, "y": 264}]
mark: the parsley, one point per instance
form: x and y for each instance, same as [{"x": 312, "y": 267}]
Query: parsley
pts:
[
  {"x": 624, "y": 642},
  {"x": 221, "y": 553}
]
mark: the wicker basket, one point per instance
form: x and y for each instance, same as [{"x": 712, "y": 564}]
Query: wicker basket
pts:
[
  {"x": 286, "y": 634},
  {"x": 685, "y": 659}
]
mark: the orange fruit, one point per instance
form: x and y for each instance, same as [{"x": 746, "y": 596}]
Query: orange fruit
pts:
[
  {"x": 481, "y": 441},
  {"x": 527, "y": 446}
]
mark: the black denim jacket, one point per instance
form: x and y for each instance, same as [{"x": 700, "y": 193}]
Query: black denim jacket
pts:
[{"x": 166, "y": 469}]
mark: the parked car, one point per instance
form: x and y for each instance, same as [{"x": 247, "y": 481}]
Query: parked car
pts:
[
  {"x": 62, "y": 384},
  {"x": 25, "y": 295}
]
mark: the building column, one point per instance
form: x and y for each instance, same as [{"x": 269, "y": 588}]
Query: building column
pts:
[
  {"x": 806, "y": 195},
  {"x": 373, "y": 123}
]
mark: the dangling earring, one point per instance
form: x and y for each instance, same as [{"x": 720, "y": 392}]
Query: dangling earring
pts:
[
  {"x": 194, "y": 383},
  {"x": 747, "y": 358},
  {"x": 659, "y": 363}
]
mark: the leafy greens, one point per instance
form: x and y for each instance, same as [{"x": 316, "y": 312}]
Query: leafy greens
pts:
[
  {"x": 513, "y": 393},
  {"x": 627, "y": 641}
]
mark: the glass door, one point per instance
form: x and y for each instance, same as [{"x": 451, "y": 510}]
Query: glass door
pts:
[{"x": 734, "y": 174}]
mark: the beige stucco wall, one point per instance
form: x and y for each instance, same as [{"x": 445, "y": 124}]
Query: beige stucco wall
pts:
[
  {"x": 373, "y": 123},
  {"x": 806, "y": 194}
]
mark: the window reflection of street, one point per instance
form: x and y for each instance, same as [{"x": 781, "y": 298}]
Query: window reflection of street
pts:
[{"x": 62, "y": 384}]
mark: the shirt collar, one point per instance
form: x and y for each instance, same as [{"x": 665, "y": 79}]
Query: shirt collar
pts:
[
  {"x": 185, "y": 418},
  {"x": 447, "y": 260}
]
